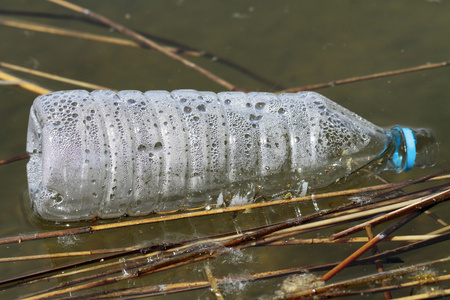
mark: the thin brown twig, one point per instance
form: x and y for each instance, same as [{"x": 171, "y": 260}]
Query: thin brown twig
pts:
[
  {"x": 14, "y": 159},
  {"x": 146, "y": 41},
  {"x": 378, "y": 263},
  {"x": 379, "y": 237},
  {"x": 366, "y": 77}
]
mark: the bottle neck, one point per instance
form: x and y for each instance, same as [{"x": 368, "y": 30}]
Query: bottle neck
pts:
[{"x": 409, "y": 148}]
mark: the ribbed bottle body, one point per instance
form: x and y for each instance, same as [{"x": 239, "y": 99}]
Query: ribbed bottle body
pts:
[{"x": 107, "y": 154}]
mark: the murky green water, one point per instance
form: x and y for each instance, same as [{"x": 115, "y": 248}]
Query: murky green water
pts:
[{"x": 288, "y": 43}]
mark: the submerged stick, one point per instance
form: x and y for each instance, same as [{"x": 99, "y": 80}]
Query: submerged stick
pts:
[{"x": 147, "y": 42}]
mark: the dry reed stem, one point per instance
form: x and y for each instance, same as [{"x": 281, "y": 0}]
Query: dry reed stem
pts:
[
  {"x": 84, "y": 35},
  {"x": 11, "y": 82},
  {"x": 25, "y": 84},
  {"x": 366, "y": 77},
  {"x": 369, "y": 245},
  {"x": 440, "y": 231},
  {"x": 294, "y": 230},
  {"x": 147, "y": 42},
  {"x": 213, "y": 283},
  {"x": 424, "y": 202},
  {"x": 378, "y": 263},
  {"x": 68, "y": 254},
  {"x": 436, "y": 218},
  {"x": 399, "y": 238},
  {"x": 292, "y": 241},
  {"x": 53, "y": 77},
  {"x": 428, "y": 295}
]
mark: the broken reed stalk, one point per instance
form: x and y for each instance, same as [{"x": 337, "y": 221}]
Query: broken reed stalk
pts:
[
  {"x": 53, "y": 77},
  {"x": 146, "y": 42},
  {"x": 425, "y": 202},
  {"x": 378, "y": 263},
  {"x": 69, "y": 254},
  {"x": 24, "y": 84},
  {"x": 379, "y": 237},
  {"x": 213, "y": 283},
  {"x": 129, "y": 250},
  {"x": 366, "y": 77}
]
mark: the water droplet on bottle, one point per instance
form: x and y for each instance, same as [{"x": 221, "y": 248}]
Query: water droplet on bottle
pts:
[
  {"x": 187, "y": 110},
  {"x": 255, "y": 119},
  {"x": 260, "y": 105},
  {"x": 201, "y": 108}
]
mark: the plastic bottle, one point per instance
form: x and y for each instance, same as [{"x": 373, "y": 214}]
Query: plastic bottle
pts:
[{"x": 106, "y": 154}]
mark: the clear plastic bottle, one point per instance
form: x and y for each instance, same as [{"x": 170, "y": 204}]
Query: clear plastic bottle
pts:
[{"x": 106, "y": 154}]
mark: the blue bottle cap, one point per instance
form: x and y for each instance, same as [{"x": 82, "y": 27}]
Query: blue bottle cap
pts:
[{"x": 410, "y": 149}]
